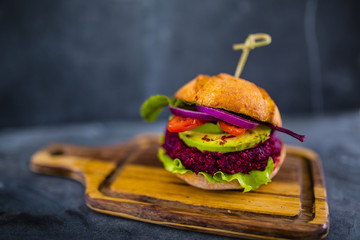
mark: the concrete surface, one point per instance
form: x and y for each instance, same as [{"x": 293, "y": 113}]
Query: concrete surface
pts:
[{"x": 36, "y": 206}]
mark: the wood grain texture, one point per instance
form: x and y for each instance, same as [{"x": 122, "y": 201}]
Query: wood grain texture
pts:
[{"x": 128, "y": 180}]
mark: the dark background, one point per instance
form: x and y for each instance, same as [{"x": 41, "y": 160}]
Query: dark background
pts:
[{"x": 78, "y": 61}]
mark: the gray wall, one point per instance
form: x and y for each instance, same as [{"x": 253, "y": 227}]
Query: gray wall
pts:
[{"x": 73, "y": 61}]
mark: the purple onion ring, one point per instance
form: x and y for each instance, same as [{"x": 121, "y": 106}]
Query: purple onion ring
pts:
[
  {"x": 191, "y": 114},
  {"x": 228, "y": 117},
  {"x": 244, "y": 123}
]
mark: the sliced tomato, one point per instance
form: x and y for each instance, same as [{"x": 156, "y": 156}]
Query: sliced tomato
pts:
[
  {"x": 181, "y": 124},
  {"x": 231, "y": 129}
]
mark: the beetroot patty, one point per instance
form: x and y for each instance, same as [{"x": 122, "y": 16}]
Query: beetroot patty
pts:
[{"x": 233, "y": 162}]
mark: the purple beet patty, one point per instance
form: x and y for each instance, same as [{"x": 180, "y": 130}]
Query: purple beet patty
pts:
[{"x": 233, "y": 162}]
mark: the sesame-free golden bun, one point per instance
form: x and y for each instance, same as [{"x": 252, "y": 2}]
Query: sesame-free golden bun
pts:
[{"x": 232, "y": 94}]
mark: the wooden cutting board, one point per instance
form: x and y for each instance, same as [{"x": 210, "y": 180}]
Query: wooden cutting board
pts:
[{"x": 128, "y": 180}]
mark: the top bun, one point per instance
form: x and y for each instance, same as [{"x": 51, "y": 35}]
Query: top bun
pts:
[{"x": 232, "y": 94}]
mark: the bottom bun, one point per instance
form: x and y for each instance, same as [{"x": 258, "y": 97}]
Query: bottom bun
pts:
[{"x": 200, "y": 181}]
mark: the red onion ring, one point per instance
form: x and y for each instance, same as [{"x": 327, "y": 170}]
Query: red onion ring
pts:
[
  {"x": 244, "y": 123},
  {"x": 228, "y": 117},
  {"x": 301, "y": 138},
  {"x": 191, "y": 114}
]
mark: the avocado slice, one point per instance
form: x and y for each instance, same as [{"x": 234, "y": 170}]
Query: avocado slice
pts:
[
  {"x": 224, "y": 142},
  {"x": 208, "y": 128}
]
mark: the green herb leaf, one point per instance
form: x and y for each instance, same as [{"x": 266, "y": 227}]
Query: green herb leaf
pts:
[{"x": 153, "y": 106}]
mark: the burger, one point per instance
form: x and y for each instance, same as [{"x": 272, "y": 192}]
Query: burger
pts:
[{"x": 222, "y": 133}]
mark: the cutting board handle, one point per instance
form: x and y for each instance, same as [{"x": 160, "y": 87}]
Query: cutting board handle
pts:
[
  {"x": 81, "y": 162},
  {"x": 107, "y": 153},
  {"x": 76, "y": 162}
]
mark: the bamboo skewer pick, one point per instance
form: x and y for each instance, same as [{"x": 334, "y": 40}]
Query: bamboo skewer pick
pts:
[{"x": 251, "y": 42}]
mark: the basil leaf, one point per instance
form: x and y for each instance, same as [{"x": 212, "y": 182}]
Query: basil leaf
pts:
[{"x": 153, "y": 106}]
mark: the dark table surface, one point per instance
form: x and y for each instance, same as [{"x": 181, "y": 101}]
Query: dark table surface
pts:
[{"x": 36, "y": 206}]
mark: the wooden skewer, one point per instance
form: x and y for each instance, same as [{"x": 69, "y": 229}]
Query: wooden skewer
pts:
[{"x": 251, "y": 42}]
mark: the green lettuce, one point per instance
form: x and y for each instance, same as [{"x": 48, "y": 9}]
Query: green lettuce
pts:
[
  {"x": 251, "y": 181},
  {"x": 153, "y": 106}
]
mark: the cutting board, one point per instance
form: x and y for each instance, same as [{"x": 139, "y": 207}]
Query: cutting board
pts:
[{"x": 128, "y": 180}]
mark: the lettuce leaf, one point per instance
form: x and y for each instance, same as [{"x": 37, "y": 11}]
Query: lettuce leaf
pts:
[
  {"x": 153, "y": 106},
  {"x": 251, "y": 181}
]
